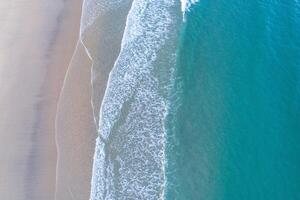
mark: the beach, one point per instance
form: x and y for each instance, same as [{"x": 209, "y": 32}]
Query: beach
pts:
[
  {"x": 149, "y": 99},
  {"x": 37, "y": 41}
]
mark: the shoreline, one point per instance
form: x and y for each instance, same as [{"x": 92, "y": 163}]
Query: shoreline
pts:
[
  {"x": 78, "y": 112},
  {"x": 62, "y": 54},
  {"x": 95, "y": 55},
  {"x": 103, "y": 47}
]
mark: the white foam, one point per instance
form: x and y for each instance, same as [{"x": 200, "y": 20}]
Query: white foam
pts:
[
  {"x": 186, "y": 5},
  {"x": 129, "y": 160}
]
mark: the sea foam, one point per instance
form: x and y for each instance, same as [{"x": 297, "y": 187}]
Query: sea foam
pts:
[
  {"x": 186, "y": 5},
  {"x": 129, "y": 159}
]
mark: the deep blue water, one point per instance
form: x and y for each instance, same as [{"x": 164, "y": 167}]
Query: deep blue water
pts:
[{"x": 234, "y": 131}]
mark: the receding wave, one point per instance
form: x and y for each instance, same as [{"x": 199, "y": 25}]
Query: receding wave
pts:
[
  {"x": 102, "y": 28},
  {"x": 91, "y": 9},
  {"x": 129, "y": 159}
]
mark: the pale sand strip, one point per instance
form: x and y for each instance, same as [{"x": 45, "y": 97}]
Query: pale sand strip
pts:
[
  {"x": 62, "y": 54},
  {"x": 37, "y": 39}
]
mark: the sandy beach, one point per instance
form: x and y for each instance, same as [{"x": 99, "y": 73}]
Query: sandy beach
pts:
[
  {"x": 50, "y": 96},
  {"x": 37, "y": 41}
]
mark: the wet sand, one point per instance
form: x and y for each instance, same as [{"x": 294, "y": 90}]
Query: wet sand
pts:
[
  {"x": 37, "y": 40},
  {"x": 75, "y": 130}
]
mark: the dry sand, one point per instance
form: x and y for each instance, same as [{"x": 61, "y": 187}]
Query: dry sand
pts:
[{"x": 37, "y": 40}]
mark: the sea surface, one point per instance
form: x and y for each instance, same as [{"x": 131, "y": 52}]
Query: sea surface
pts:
[
  {"x": 203, "y": 102},
  {"x": 235, "y": 127}
]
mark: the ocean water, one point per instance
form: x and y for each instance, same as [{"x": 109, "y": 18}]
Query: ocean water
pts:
[
  {"x": 203, "y": 102},
  {"x": 234, "y": 130}
]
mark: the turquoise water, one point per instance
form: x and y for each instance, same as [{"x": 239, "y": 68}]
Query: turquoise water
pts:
[{"x": 234, "y": 131}]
